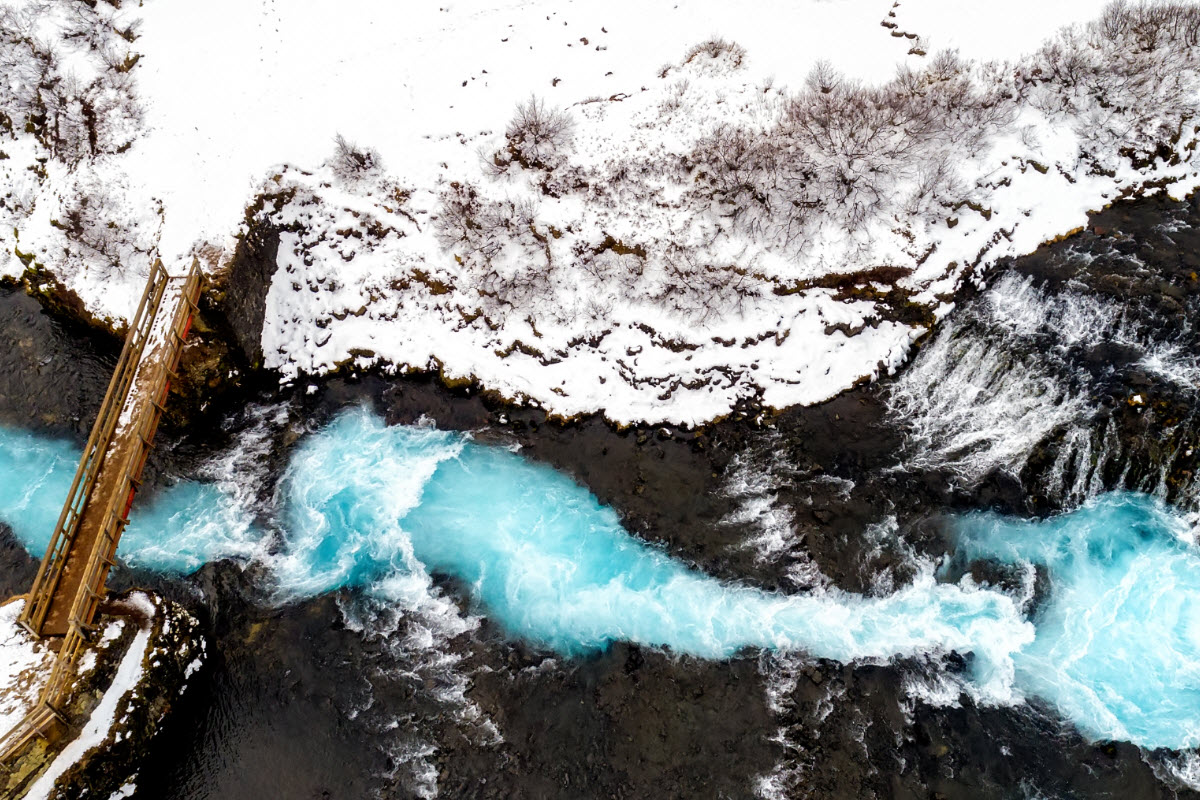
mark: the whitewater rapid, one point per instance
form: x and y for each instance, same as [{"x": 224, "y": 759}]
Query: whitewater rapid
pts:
[
  {"x": 382, "y": 510},
  {"x": 1117, "y": 649}
]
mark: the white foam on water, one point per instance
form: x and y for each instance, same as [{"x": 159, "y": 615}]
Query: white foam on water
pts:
[
  {"x": 995, "y": 384},
  {"x": 1117, "y": 649},
  {"x": 418, "y": 626},
  {"x": 416, "y": 759},
  {"x": 753, "y": 479},
  {"x": 971, "y": 404},
  {"x": 1016, "y": 305},
  {"x": 939, "y": 689},
  {"x": 1173, "y": 363},
  {"x": 244, "y": 468},
  {"x": 192, "y": 523},
  {"x": 1182, "y": 770},
  {"x": 885, "y": 536},
  {"x": 783, "y": 673}
]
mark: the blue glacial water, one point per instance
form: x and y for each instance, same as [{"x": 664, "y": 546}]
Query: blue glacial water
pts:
[
  {"x": 182, "y": 529},
  {"x": 1116, "y": 648}
]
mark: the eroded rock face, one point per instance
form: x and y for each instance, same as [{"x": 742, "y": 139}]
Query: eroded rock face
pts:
[
  {"x": 223, "y": 354},
  {"x": 52, "y": 372},
  {"x": 212, "y": 369},
  {"x": 244, "y": 288}
]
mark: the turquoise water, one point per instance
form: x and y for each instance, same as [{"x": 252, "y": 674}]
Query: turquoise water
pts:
[
  {"x": 382, "y": 508},
  {"x": 1118, "y": 640},
  {"x": 364, "y": 502},
  {"x": 182, "y": 529}
]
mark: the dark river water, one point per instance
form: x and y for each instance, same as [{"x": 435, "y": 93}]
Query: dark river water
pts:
[{"x": 1072, "y": 373}]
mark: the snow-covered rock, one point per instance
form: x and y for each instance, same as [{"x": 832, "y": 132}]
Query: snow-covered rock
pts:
[
  {"x": 588, "y": 207},
  {"x": 24, "y": 667}
]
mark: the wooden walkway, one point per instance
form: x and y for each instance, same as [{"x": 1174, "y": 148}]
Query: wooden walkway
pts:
[{"x": 70, "y": 582}]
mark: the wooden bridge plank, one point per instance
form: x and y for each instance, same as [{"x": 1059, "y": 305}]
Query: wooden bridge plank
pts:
[
  {"x": 121, "y": 466},
  {"x": 74, "y": 572}
]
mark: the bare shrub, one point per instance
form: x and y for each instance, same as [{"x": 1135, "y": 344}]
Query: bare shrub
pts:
[
  {"x": 611, "y": 268},
  {"x": 352, "y": 163},
  {"x": 741, "y": 169},
  {"x": 1163, "y": 21},
  {"x": 715, "y": 48},
  {"x": 846, "y": 154},
  {"x": 471, "y": 223},
  {"x": 1126, "y": 81},
  {"x": 823, "y": 78},
  {"x": 537, "y": 137},
  {"x": 72, "y": 119},
  {"x": 1114, "y": 20},
  {"x": 507, "y": 259},
  {"x": 98, "y": 227},
  {"x": 674, "y": 99},
  {"x": 935, "y": 185},
  {"x": 700, "y": 291},
  {"x": 87, "y": 222},
  {"x": 836, "y": 162}
]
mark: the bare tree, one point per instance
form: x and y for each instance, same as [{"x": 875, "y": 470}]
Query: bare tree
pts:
[
  {"x": 352, "y": 163},
  {"x": 537, "y": 137}
]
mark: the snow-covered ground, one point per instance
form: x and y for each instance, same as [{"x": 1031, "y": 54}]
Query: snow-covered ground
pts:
[
  {"x": 773, "y": 217},
  {"x": 24, "y": 668},
  {"x": 99, "y": 726}
]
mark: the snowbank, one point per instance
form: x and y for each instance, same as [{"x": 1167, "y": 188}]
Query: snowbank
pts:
[
  {"x": 129, "y": 674},
  {"x": 24, "y": 668},
  {"x": 677, "y": 231}
]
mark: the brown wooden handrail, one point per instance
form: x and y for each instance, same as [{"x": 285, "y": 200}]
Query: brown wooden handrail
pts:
[
  {"x": 33, "y": 616},
  {"x": 141, "y": 424}
]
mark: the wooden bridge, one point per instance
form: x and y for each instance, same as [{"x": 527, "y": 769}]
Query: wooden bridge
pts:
[{"x": 70, "y": 584}]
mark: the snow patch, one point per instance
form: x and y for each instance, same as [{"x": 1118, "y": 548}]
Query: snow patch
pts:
[
  {"x": 24, "y": 667},
  {"x": 129, "y": 673},
  {"x": 125, "y": 791},
  {"x": 663, "y": 262}
]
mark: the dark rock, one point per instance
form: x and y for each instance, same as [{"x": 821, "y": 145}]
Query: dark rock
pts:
[{"x": 244, "y": 289}]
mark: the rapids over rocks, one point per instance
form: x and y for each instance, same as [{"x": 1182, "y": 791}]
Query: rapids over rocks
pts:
[{"x": 364, "y": 505}]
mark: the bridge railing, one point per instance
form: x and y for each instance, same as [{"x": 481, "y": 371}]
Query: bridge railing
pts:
[
  {"x": 49, "y": 572},
  {"x": 145, "y": 418}
]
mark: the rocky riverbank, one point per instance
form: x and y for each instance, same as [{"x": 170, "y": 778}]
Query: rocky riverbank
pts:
[
  {"x": 337, "y": 695},
  {"x": 127, "y": 684}
]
